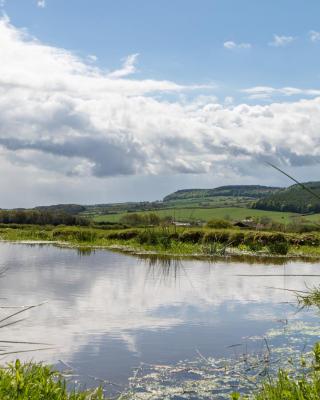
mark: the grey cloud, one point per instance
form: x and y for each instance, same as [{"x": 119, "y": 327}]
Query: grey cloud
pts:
[
  {"x": 108, "y": 158},
  {"x": 55, "y": 105}
]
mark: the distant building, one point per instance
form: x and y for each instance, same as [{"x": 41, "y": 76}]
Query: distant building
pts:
[{"x": 177, "y": 223}]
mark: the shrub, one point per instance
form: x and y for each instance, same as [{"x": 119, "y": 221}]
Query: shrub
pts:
[
  {"x": 276, "y": 238},
  {"x": 236, "y": 238},
  {"x": 133, "y": 219},
  {"x": 147, "y": 237},
  {"x": 165, "y": 241},
  {"x": 192, "y": 236},
  {"x": 123, "y": 235},
  {"x": 220, "y": 237},
  {"x": 81, "y": 235},
  {"x": 219, "y": 224},
  {"x": 255, "y": 246},
  {"x": 281, "y": 248}
]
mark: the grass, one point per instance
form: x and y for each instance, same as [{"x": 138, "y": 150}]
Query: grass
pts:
[
  {"x": 303, "y": 383},
  {"x": 173, "y": 240},
  {"x": 288, "y": 388},
  {"x": 205, "y": 214},
  {"x": 309, "y": 298},
  {"x": 39, "y": 382}
]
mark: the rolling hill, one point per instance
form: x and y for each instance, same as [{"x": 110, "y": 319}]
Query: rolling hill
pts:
[
  {"x": 251, "y": 191},
  {"x": 293, "y": 199}
]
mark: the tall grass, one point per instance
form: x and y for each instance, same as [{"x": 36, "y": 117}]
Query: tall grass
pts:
[{"x": 39, "y": 382}]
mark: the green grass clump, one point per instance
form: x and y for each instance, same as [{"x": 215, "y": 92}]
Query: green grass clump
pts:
[
  {"x": 309, "y": 298},
  {"x": 281, "y": 248},
  {"x": 219, "y": 223},
  {"x": 304, "y": 385},
  {"x": 38, "y": 382},
  {"x": 74, "y": 234},
  {"x": 191, "y": 236},
  {"x": 123, "y": 235},
  {"x": 288, "y": 388}
]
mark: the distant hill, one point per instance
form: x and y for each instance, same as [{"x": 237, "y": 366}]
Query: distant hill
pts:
[
  {"x": 72, "y": 209},
  {"x": 293, "y": 199},
  {"x": 251, "y": 191}
]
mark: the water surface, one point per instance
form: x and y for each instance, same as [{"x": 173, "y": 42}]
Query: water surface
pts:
[{"x": 107, "y": 312}]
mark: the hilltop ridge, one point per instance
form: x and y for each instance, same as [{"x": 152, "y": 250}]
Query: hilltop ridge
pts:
[
  {"x": 293, "y": 199},
  {"x": 251, "y": 191}
]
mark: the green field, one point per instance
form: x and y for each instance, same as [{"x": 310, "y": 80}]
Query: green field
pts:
[{"x": 205, "y": 214}]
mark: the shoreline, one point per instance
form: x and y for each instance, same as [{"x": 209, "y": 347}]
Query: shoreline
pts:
[{"x": 231, "y": 254}]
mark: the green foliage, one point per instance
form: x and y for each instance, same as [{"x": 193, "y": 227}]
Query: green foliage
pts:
[
  {"x": 74, "y": 234},
  {"x": 134, "y": 219},
  {"x": 191, "y": 236},
  {"x": 38, "y": 382},
  {"x": 165, "y": 241},
  {"x": 219, "y": 223},
  {"x": 254, "y": 191},
  {"x": 293, "y": 199},
  {"x": 72, "y": 209},
  {"x": 123, "y": 235},
  {"x": 216, "y": 236},
  {"x": 236, "y": 238},
  {"x": 300, "y": 226},
  {"x": 280, "y": 248},
  {"x": 213, "y": 249},
  {"x": 309, "y": 298},
  {"x": 149, "y": 237},
  {"x": 255, "y": 246},
  {"x": 288, "y": 388},
  {"x": 295, "y": 386},
  {"x": 40, "y": 218},
  {"x": 200, "y": 213}
]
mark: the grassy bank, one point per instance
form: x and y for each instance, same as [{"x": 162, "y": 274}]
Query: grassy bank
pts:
[
  {"x": 33, "y": 381},
  {"x": 39, "y": 382},
  {"x": 173, "y": 240}
]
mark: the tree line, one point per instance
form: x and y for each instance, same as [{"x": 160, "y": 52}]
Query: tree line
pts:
[{"x": 40, "y": 218}]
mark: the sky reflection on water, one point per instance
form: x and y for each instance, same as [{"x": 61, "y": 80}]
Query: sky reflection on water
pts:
[{"x": 107, "y": 312}]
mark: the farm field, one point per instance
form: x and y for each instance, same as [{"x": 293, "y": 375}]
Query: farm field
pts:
[{"x": 205, "y": 214}]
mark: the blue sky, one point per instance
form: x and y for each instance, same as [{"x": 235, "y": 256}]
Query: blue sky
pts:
[
  {"x": 137, "y": 99},
  {"x": 182, "y": 40}
]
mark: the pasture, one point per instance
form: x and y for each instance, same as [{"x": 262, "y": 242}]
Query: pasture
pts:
[{"x": 205, "y": 214}]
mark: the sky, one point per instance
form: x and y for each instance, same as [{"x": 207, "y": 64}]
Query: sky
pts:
[{"x": 108, "y": 101}]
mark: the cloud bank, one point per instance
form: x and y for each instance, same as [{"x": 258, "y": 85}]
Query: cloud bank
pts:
[
  {"x": 65, "y": 117},
  {"x": 265, "y": 92}
]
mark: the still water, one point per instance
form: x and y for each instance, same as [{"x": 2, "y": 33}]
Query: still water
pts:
[{"x": 106, "y": 313}]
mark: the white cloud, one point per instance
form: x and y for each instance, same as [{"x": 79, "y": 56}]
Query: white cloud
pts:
[
  {"x": 113, "y": 306},
  {"x": 314, "y": 36},
  {"x": 281, "y": 41},
  {"x": 128, "y": 67},
  {"x": 265, "y": 92},
  {"x": 229, "y": 100},
  {"x": 41, "y": 3},
  {"x": 62, "y": 117},
  {"x": 230, "y": 45},
  {"x": 92, "y": 58}
]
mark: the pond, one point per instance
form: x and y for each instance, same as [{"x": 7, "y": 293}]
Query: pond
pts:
[{"x": 107, "y": 313}]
